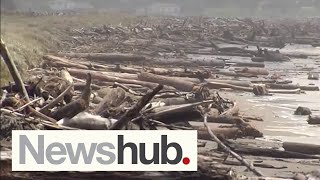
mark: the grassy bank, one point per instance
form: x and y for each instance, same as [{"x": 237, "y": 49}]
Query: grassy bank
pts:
[{"x": 28, "y": 38}]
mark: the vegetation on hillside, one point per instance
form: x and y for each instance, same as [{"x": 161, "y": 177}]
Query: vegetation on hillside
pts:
[{"x": 28, "y": 38}]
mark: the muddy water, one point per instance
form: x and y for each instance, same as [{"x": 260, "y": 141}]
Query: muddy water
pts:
[{"x": 277, "y": 110}]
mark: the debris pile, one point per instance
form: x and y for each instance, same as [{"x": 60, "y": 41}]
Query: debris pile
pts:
[
  {"x": 159, "y": 76},
  {"x": 199, "y": 35}
]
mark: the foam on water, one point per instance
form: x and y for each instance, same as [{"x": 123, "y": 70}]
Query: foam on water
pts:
[{"x": 283, "y": 124}]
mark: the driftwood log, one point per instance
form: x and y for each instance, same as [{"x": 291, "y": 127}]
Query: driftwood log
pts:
[
  {"x": 112, "y": 74},
  {"x": 250, "y": 150},
  {"x": 292, "y": 86},
  {"x": 105, "y": 57},
  {"x": 249, "y": 64},
  {"x": 227, "y": 119},
  {"x": 122, "y": 69},
  {"x": 235, "y": 74},
  {"x": 189, "y": 62},
  {"x": 180, "y": 72},
  {"x": 177, "y": 113},
  {"x": 102, "y": 77},
  {"x": 50, "y": 60},
  {"x": 13, "y": 70},
  {"x": 253, "y": 71},
  {"x": 302, "y": 148},
  {"x": 169, "y": 81},
  {"x": 225, "y": 132},
  {"x": 219, "y": 85},
  {"x": 229, "y": 151},
  {"x": 282, "y": 91},
  {"x": 231, "y": 82}
]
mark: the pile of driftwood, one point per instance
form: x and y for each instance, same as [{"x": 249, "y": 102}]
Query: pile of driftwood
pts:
[
  {"x": 166, "y": 86},
  {"x": 197, "y": 50},
  {"x": 59, "y": 99},
  {"x": 73, "y": 95},
  {"x": 174, "y": 73},
  {"x": 195, "y": 35}
]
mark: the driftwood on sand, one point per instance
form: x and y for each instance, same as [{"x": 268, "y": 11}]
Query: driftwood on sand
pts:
[{"x": 169, "y": 74}]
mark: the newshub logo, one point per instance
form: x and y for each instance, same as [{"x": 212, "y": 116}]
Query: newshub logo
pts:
[{"x": 104, "y": 150}]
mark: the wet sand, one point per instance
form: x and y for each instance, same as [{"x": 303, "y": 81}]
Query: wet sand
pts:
[{"x": 277, "y": 110}]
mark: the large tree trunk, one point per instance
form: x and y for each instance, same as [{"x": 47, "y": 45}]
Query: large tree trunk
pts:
[
  {"x": 55, "y": 61},
  {"x": 169, "y": 81},
  {"x": 102, "y": 77}
]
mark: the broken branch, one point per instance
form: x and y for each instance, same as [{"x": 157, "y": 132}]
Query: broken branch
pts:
[
  {"x": 134, "y": 111},
  {"x": 13, "y": 70},
  {"x": 229, "y": 151}
]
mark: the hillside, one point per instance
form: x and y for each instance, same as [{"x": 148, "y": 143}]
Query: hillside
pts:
[{"x": 28, "y": 38}]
